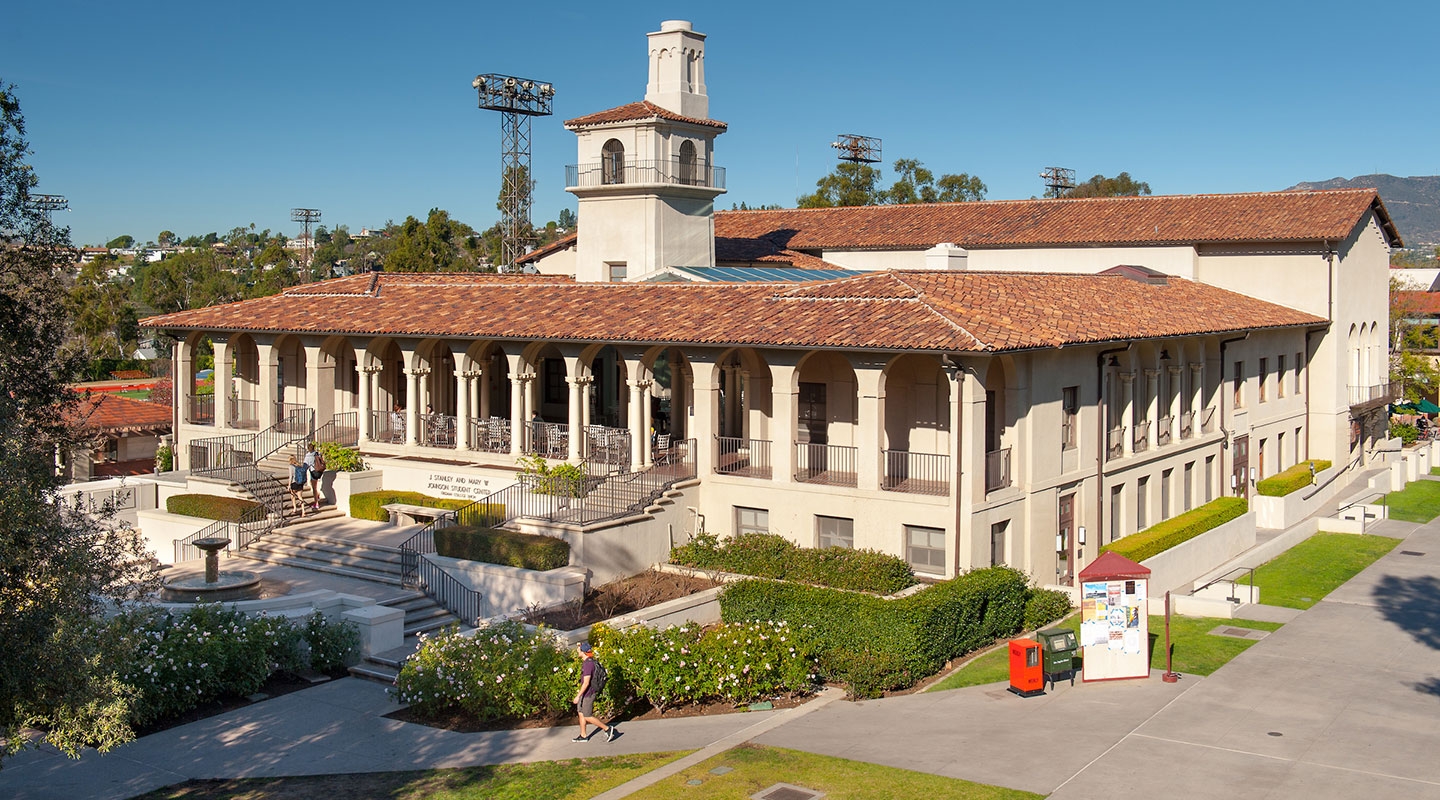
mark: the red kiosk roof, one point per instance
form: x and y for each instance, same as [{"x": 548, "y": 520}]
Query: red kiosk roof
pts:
[{"x": 1113, "y": 565}]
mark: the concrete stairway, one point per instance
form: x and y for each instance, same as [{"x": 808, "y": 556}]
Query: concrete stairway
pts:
[{"x": 305, "y": 546}]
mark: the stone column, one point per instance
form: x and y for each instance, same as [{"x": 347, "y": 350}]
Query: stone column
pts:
[
  {"x": 269, "y": 385},
  {"x": 1174, "y": 403},
  {"x": 412, "y": 409},
  {"x": 646, "y": 412},
  {"x": 639, "y": 442},
  {"x": 367, "y": 400},
  {"x": 577, "y": 431},
  {"x": 1127, "y": 401},
  {"x": 1152, "y": 403},
  {"x": 745, "y": 404},
  {"x": 867, "y": 434},
  {"x": 707, "y": 394},
  {"x": 223, "y": 380},
  {"x": 1197, "y": 393},
  {"x": 464, "y": 380},
  {"x": 785, "y": 406}
]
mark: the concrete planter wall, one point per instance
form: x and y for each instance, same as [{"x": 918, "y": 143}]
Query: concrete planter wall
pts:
[
  {"x": 1282, "y": 512},
  {"x": 337, "y": 487},
  {"x": 1178, "y": 567},
  {"x": 510, "y": 590},
  {"x": 162, "y": 529},
  {"x": 380, "y": 627}
]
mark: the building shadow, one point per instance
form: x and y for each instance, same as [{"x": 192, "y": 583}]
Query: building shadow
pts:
[{"x": 1413, "y": 605}]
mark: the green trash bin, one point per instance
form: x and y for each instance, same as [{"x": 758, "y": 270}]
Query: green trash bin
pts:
[{"x": 1058, "y": 648}]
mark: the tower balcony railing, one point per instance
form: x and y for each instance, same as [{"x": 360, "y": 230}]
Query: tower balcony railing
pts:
[
  {"x": 829, "y": 464},
  {"x": 1115, "y": 442},
  {"x": 748, "y": 458},
  {"x": 997, "y": 469},
  {"x": 672, "y": 172},
  {"x": 916, "y": 473},
  {"x": 1378, "y": 393},
  {"x": 1142, "y": 436},
  {"x": 1187, "y": 424},
  {"x": 1163, "y": 431}
]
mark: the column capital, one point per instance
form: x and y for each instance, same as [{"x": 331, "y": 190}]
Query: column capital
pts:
[
  {"x": 371, "y": 369},
  {"x": 1174, "y": 369},
  {"x": 472, "y": 373},
  {"x": 1152, "y": 374},
  {"x": 1198, "y": 366},
  {"x": 1127, "y": 377},
  {"x": 417, "y": 372}
]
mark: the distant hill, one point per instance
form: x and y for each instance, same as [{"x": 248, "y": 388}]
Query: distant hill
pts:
[{"x": 1414, "y": 203}]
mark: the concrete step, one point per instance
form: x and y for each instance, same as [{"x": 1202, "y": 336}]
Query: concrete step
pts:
[
  {"x": 370, "y": 671},
  {"x": 318, "y": 566},
  {"x": 298, "y": 555}
]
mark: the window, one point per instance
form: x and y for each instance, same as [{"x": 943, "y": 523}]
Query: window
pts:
[
  {"x": 1239, "y": 384},
  {"x": 688, "y": 174},
  {"x": 1280, "y": 376},
  {"x": 1141, "y": 510},
  {"x": 997, "y": 543},
  {"x": 1264, "y": 376},
  {"x": 1117, "y": 500},
  {"x": 1299, "y": 456},
  {"x": 751, "y": 520},
  {"x": 616, "y": 272},
  {"x": 835, "y": 532},
  {"x": 1189, "y": 488},
  {"x": 554, "y": 372},
  {"x": 1070, "y": 407},
  {"x": 1209, "y": 478},
  {"x": 1299, "y": 362},
  {"x": 1165, "y": 478},
  {"x": 925, "y": 548},
  {"x": 612, "y": 162}
]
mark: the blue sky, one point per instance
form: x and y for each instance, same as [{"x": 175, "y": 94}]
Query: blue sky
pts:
[{"x": 199, "y": 117}]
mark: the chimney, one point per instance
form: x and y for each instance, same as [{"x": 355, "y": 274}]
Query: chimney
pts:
[
  {"x": 946, "y": 256},
  {"x": 677, "y": 70}
]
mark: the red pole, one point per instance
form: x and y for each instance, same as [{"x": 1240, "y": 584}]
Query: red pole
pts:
[{"x": 1169, "y": 676}]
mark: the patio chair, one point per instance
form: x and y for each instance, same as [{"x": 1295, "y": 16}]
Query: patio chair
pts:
[{"x": 662, "y": 454}]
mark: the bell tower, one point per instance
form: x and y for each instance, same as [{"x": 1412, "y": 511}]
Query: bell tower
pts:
[{"x": 646, "y": 178}]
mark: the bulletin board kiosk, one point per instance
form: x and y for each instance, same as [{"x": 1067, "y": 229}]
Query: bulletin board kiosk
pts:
[{"x": 1114, "y": 629}]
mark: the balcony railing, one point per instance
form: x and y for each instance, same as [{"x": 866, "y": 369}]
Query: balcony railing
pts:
[
  {"x": 387, "y": 426},
  {"x": 1115, "y": 442},
  {"x": 292, "y": 412},
  {"x": 830, "y": 464},
  {"x": 916, "y": 473},
  {"x": 490, "y": 435},
  {"x": 1384, "y": 392},
  {"x": 201, "y": 410},
  {"x": 1162, "y": 432},
  {"x": 548, "y": 439},
  {"x": 1207, "y": 420},
  {"x": 244, "y": 414},
  {"x": 437, "y": 430},
  {"x": 667, "y": 171},
  {"x": 1187, "y": 424},
  {"x": 608, "y": 448},
  {"x": 748, "y": 458},
  {"x": 997, "y": 469},
  {"x": 1142, "y": 436}
]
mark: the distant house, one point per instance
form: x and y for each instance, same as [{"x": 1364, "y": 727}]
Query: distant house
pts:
[{"x": 126, "y": 435}]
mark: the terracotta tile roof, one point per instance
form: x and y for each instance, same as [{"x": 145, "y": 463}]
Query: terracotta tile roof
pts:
[
  {"x": 1166, "y": 219},
  {"x": 109, "y": 413},
  {"x": 903, "y": 310},
  {"x": 1411, "y": 303},
  {"x": 563, "y": 243},
  {"x": 633, "y": 112}
]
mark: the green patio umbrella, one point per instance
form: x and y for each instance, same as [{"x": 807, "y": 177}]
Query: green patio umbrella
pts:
[
  {"x": 1403, "y": 408},
  {"x": 1427, "y": 407}
]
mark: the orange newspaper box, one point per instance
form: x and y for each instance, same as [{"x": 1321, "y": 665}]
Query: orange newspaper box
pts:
[{"x": 1027, "y": 675}]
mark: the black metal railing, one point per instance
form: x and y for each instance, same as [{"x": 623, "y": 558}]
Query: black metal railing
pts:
[
  {"x": 253, "y": 524},
  {"x": 490, "y": 435},
  {"x": 244, "y": 414},
  {"x": 214, "y": 456},
  {"x": 342, "y": 429},
  {"x": 748, "y": 458},
  {"x": 1207, "y": 420},
  {"x": 607, "y": 450},
  {"x": 437, "y": 430},
  {"x": 288, "y": 413},
  {"x": 387, "y": 426},
  {"x": 547, "y": 439},
  {"x": 829, "y": 464},
  {"x": 673, "y": 171},
  {"x": 201, "y": 410},
  {"x": 997, "y": 469},
  {"x": 1115, "y": 442},
  {"x": 1163, "y": 431},
  {"x": 1360, "y": 395},
  {"x": 1187, "y": 424},
  {"x": 916, "y": 473},
  {"x": 1141, "y": 442}
]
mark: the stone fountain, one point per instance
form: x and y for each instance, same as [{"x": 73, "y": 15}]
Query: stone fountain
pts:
[{"x": 214, "y": 586}]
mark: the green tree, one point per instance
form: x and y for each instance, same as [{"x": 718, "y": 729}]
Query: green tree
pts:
[
  {"x": 101, "y": 310},
  {"x": 58, "y": 566},
  {"x": 850, "y": 184},
  {"x": 192, "y": 279},
  {"x": 962, "y": 188},
  {"x": 121, "y": 242},
  {"x": 1121, "y": 185},
  {"x": 440, "y": 244},
  {"x": 859, "y": 185},
  {"x": 567, "y": 219},
  {"x": 1411, "y": 343},
  {"x": 166, "y": 239}
]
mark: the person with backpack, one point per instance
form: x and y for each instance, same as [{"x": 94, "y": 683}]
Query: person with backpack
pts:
[
  {"x": 592, "y": 680},
  {"x": 298, "y": 475},
  {"x": 316, "y": 464}
]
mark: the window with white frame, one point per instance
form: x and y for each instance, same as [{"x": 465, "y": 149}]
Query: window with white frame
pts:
[
  {"x": 835, "y": 532},
  {"x": 925, "y": 549},
  {"x": 1070, "y": 408},
  {"x": 751, "y": 520},
  {"x": 997, "y": 542}
]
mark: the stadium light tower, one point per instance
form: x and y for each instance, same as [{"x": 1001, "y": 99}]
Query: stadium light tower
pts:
[
  {"x": 857, "y": 149},
  {"x": 49, "y": 203},
  {"x": 517, "y": 100},
  {"x": 307, "y": 216},
  {"x": 1058, "y": 181}
]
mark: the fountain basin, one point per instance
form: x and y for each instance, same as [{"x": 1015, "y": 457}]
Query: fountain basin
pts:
[{"x": 229, "y": 585}]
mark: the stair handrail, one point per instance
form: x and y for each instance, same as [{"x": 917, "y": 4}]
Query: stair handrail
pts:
[
  {"x": 241, "y": 533},
  {"x": 1223, "y": 576},
  {"x": 225, "y": 454}
]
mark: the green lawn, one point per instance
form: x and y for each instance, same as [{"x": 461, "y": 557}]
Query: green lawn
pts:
[
  {"x": 1418, "y": 502},
  {"x": 1196, "y": 651},
  {"x": 573, "y": 779},
  {"x": 755, "y": 768},
  {"x": 135, "y": 394},
  {"x": 1305, "y": 573}
]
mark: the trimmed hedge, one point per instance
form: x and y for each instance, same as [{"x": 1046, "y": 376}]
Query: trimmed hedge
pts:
[
  {"x": 1162, "y": 536},
  {"x": 769, "y": 555},
  {"x": 209, "y": 506},
  {"x": 874, "y": 644},
  {"x": 512, "y": 549},
  {"x": 1291, "y": 480},
  {"x": 369, "y": 505},
  {"x": 1044, "y": 606}
]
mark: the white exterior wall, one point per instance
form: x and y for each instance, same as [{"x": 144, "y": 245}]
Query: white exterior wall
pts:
[{"x": 1178, "y": 260}]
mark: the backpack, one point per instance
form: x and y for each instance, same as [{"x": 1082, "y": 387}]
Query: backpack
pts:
[
  {"x": 319, "y": 462},
  {"x": 597, "y": 681}
]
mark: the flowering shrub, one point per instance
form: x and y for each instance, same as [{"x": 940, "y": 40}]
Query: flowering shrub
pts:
[
  {"x": 737, "y": 662},
  {"x": 175, "y": 663},
  {"x": 768, "y": 555},
  {"x": 501, "y": 672}
]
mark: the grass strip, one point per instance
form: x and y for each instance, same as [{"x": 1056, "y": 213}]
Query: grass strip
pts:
[
  {"x": 1418, "y": 502},
  {"x": 1307, "y": 572}
]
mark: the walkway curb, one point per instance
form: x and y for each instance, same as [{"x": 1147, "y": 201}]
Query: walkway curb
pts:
[{"x": 825, "y": 698}]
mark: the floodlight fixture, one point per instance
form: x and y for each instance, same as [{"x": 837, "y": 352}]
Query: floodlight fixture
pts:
[
  {"x": 306, "y": 216},
  {"x": 517, "y": 100},
  {"x": 857, "y": 149}
]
